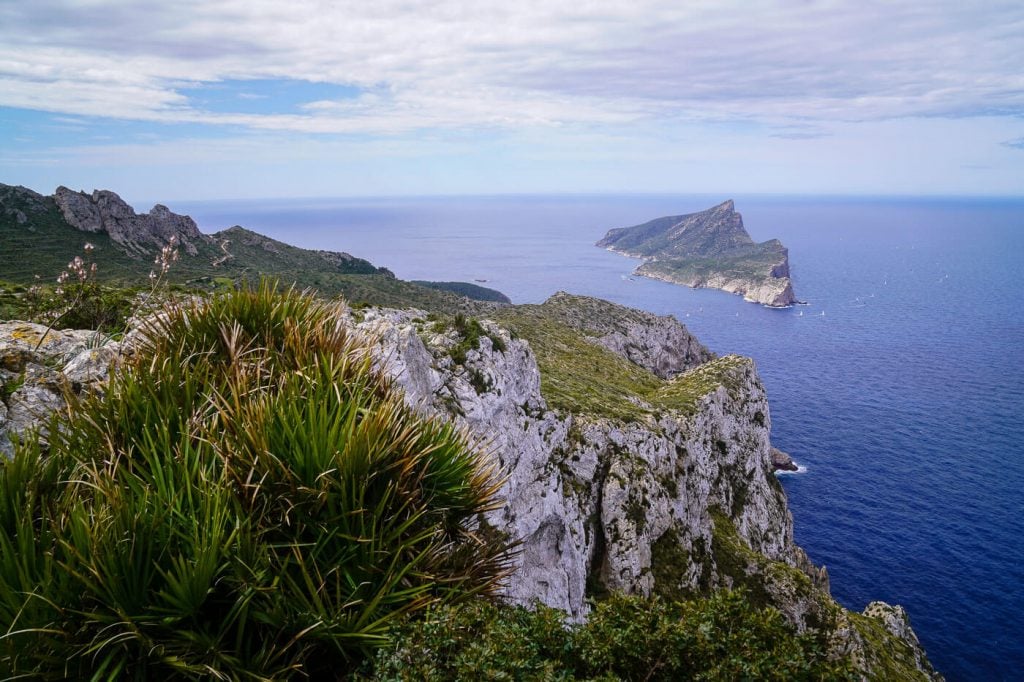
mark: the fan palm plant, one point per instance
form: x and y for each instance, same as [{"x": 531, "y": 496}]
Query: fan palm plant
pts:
[{"x": 251, "y": 499}]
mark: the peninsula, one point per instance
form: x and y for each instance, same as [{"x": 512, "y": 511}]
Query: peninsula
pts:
[{"x": 708, "y": 249}]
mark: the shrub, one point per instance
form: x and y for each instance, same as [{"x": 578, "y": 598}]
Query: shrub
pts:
[
  {"x": 250, "y": 500},
  {"x": 722, "y": 637}
]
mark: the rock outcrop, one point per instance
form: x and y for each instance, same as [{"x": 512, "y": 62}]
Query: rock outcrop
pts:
[
  {"x": 40, "y": 368},
  {"x": 140, "y": 234},
  {"x": 15, "y": 200},
  {"x": 659, "y": 344},
  {"x": 592, "y": 498},
  {"x": 708, "y": 249},
  {"x": 782, "y": 461}
]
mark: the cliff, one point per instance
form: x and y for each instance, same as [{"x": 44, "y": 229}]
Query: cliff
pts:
[
  {"x": 635, "y": 460},
  {"x": 104, "y": 211},
  {"x": 708, "y": 249}
]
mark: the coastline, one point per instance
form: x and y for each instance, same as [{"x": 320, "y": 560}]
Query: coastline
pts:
[{"x": 751, "y": 291}]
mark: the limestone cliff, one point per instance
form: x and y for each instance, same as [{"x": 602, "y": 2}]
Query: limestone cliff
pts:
[
  {"x": 671, "y": 493},
  {"x": 140, "y": 234},
  {"x": 677, "y": 497},
  {"x": 708, "y": 249}
]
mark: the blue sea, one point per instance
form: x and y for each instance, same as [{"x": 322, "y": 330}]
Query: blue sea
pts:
[{"x": 899, "y": 387}]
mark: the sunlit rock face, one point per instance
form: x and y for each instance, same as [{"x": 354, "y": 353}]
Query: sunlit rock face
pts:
[{"x": 140, "y": 234}]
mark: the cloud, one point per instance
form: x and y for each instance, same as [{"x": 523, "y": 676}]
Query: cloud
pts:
[
  {"x": 534, "y": 63},
  {"x": 1014, "y": 144}
]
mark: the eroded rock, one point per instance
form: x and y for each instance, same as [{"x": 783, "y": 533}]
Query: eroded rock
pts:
[{"x": 140, "y": 234}]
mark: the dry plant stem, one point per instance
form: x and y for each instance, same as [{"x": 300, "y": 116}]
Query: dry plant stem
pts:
[{"x": 76, "y": 266}]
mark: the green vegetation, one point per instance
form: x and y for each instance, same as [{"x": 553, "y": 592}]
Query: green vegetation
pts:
[
  {"x": 251, "y": 500},
  {"x": 764, "y": 579},
  {"x": 37, "y": 249},
  {"x": 469, "y": 331},
  {"x": 625, "y": 638},
  {"x": 580, "y": 377},
  {"x": 889, "y": 657},
  {"x": 467, "y": 289},
  {"x": 746, "y": 264}
]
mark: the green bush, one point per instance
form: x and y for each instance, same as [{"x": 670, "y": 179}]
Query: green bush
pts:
[
  {"x": 250, "y": 500},
  {"x": 85, "y": 305},
  {"x": 723, "y": 638}
]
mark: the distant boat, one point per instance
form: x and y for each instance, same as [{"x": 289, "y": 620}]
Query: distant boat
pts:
[
  {"x": 479, "y": 280},
  {"x": 627, "y": 278},
  {"x": 823, "y": 313},
  {"x": 801, "y": 314}
]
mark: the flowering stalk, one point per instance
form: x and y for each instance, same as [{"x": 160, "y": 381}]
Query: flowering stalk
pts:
[{"x": 86, "y": 276}]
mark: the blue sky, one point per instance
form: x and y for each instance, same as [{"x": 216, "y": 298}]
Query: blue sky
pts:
[{"x": 259, "y": 98}]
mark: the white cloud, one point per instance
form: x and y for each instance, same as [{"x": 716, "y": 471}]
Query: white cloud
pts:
[{"x": 450, "y": 63}]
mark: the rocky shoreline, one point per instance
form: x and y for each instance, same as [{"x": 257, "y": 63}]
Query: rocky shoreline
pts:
[{"x": 772, "y": 292}]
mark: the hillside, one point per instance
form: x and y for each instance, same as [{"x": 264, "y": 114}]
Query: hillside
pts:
[
  {"x": 40, "y": 234},
  {"x": 708, "y": 249}
]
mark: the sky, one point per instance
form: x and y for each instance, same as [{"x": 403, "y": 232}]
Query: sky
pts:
[{"x": 244, "y": 99}]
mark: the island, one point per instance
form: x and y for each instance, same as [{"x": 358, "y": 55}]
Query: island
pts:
[{"x": 708, "y": 249}]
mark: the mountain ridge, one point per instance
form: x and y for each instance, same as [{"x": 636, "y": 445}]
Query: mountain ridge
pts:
[{"x": 41, "y": 234}]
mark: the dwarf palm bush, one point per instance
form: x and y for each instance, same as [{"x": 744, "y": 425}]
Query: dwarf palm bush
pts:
[{"x": 251, "y": 499}]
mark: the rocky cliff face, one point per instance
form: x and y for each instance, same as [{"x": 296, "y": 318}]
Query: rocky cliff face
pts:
[
  {"x": 676, "y": 504},
  {"x": 677, "y": 498},
  {"x": 140, "y": 234},
  {"x": 592, "y": 498}
]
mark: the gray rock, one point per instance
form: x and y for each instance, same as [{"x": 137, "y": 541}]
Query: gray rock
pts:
[
  {"x": 141, "y": 234},
  {"x": 91, "y": 367},
  {"x": 22, "y": 342},
  {"x": 28, "y": 407},
  {"x": 782, "y": 462},
  {"x": 39, "y": 367}
]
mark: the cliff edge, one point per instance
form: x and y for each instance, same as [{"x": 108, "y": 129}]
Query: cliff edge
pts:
[{"x": 636, "y": 461}]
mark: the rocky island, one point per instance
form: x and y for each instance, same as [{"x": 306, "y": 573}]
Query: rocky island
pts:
[{"x": 708, "y": 249}]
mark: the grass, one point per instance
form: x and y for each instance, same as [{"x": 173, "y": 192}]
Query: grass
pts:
[{"x": 583, "y": 378}]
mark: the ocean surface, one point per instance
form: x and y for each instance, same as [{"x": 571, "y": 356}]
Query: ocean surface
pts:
[{"x": 899, "y": 387}]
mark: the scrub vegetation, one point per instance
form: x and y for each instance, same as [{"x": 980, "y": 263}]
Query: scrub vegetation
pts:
[{"x": 251, "y": 500}]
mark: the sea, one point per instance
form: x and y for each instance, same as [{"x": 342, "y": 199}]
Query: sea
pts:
[{"x": 898, "y": 387}]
